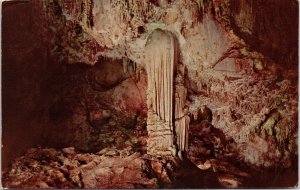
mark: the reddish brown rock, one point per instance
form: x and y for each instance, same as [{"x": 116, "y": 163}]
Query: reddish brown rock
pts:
[{"x": 78, "y": 171}]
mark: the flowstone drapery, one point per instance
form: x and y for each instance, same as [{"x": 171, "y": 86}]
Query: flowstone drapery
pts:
[
  {"x": 161, "y": 59},
  {"x": 182, "y": 119}
]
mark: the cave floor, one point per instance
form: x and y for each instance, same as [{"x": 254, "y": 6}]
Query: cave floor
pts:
[
  {"x": 190, "y": 176},
  {"x": 66, "y": 168}
]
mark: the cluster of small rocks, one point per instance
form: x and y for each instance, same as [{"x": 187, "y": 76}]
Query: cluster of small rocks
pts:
[{"x": 52, "y": 168}]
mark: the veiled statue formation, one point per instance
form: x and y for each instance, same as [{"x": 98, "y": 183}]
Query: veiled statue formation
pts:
[{"x": 167, "y": 121}]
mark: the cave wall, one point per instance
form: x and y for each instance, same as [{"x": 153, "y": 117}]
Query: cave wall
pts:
[
  {"x": 270, "y": 27},
  {"x": 24, "y": 63},
  {"x": 96, "y": 107}
]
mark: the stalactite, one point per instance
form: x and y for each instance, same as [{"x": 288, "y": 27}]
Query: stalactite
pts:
[
  {"x": 160, "y": 60},
  {"x": 128, "y": 65},
  {"x": 201, "y": 5},
  {"x": 125, "y": 64},
  {"x": 87, "y": 15}
]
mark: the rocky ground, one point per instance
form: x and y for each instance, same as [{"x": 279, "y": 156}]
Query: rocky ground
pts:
[
  {"x": 112, "y": 168},
  {"x": 46, "y": 168}
]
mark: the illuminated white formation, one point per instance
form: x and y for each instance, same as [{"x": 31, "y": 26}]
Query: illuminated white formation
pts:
[{"x": 160, "y": 60}]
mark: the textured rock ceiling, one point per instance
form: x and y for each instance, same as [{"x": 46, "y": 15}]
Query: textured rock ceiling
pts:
[{"x": 121, "y": 29}]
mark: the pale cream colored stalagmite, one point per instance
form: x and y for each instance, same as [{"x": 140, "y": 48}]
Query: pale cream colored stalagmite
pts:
[
  {"x": 160, "y": 60},
  {"x": 182, "y": 120}
]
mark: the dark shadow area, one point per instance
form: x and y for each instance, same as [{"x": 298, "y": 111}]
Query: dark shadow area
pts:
[{"x": 24, "y": 60}]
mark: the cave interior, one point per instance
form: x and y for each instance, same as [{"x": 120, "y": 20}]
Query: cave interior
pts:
[{"x": 149, "y": 94}]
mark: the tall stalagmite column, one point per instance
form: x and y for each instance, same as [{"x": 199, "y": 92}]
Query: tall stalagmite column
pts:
[
  {"x": 182, "y": 119},
  {"x": 160, "y": 59}
]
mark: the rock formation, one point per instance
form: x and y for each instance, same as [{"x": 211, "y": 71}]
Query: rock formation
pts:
[
  {"x": 68, "y": 169},
  {"x": 240, "y": 81},
  {"x": 209, "y": 81},
  {"x": 182, "y": 119},
  {"x": 160, "y": 60}
]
